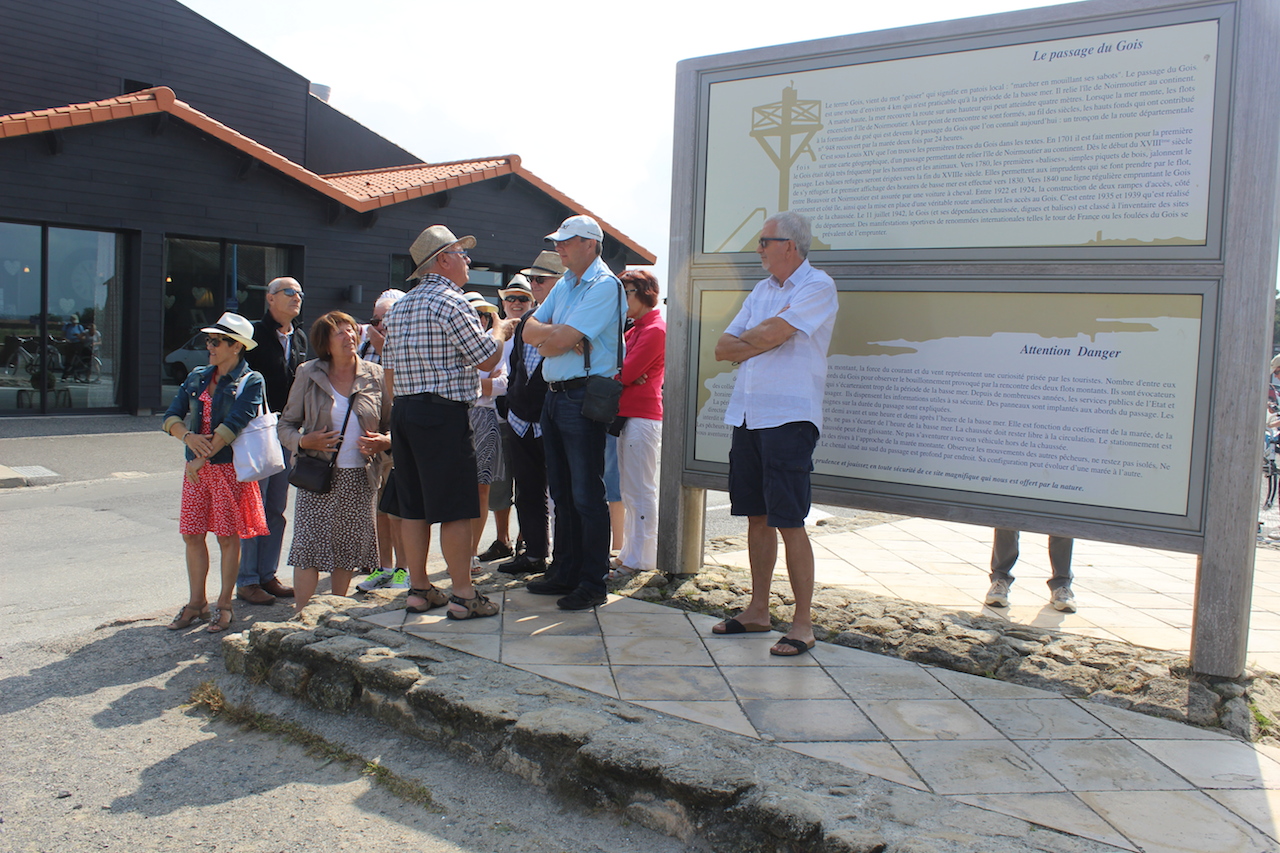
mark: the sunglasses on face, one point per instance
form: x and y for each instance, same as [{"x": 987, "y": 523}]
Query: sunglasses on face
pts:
[
  {"x": 376, "y": 321},
  {"x": 543, "y": 279},
  {"x": 515, "y": 299},
  {"x": 289, "y": 291},
  {"x": 218, "y": 340}
]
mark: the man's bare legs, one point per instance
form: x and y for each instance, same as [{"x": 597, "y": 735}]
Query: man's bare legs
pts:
[
  {"x": 762, "y": 551},
  {"x": 415, "y": 536}
]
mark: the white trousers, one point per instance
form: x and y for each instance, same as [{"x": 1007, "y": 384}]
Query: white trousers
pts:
[{"x": 638, "y": 451}]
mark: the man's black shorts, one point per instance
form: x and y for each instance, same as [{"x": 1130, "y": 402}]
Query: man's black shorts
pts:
[
  {"x": 435, "y": 478},
  {"x": 769, "y": 472}
]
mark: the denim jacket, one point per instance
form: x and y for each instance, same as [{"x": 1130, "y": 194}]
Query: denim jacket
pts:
[{"x": 230, "y": 413}]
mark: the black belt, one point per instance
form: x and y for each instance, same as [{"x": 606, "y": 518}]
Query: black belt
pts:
[
  {"x": 431, "y": 397},
  {"x": 568, "y": 384}
]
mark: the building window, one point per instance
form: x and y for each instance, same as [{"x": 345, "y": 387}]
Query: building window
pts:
[
  {"x": 61, "y": 294},
  {"x": 204, "y": 278}
]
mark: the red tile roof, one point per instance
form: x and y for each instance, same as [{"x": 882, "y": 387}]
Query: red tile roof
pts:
[{"x": 360, "y": 191}]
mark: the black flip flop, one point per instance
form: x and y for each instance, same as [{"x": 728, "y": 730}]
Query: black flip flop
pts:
[
  {"x": 733, "y": 626},
  {"x": 800, "y": 648}
]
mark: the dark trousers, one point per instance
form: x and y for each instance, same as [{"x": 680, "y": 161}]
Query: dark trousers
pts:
[
  {"x": 574, "y": 446},
  {"x": 1004, "y": 553},
  {"x": 529, "y": 470}
]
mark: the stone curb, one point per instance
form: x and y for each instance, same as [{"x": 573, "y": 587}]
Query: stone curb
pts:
[
  {"x": 11, "y": 479},
  {"x": 686, "y": 780}
]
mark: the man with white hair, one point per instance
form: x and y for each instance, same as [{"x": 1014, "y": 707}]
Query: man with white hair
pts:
[
  {"x": 577, "y": 330},
  {"x": 779, "y": 341}
]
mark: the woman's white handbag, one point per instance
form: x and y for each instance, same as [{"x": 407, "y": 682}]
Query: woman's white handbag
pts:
[{"x": 257, "y": 450}]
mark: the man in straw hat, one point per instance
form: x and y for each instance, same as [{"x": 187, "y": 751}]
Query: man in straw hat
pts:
[
  {"x": 582, "y": 317},
  {"x": 434, "y": 347},
  {"x": 526, "y": 391}
]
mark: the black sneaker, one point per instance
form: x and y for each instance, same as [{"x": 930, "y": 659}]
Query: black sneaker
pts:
[
  {"x": 549, "y": 587},
  {"x": 579, "y": 600},
  {"x": 496, "y": 551},
  {"x": 524, "y": 565}
]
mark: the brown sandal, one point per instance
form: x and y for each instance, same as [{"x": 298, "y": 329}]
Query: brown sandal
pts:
[
  {"x": 216, "y": 625},
  {"x": 472, "y": 607},
  {"x": 187, "y": 615},
  {"x": 431, "y": 597}
]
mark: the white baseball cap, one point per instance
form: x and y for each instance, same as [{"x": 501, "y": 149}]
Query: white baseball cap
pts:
[{"x": 578, "y": 226}]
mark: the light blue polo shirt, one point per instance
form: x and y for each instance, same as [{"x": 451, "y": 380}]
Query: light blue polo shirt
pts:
[{"x": 594, "y": 306}]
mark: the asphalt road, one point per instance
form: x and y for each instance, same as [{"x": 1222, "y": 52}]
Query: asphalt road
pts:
[{"x": 101, "y": 752}]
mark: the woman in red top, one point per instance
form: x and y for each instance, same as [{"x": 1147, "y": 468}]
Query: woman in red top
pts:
[{"x": 641, "y": 437}]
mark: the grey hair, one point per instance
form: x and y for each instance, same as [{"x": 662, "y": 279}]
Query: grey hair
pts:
[
  {"x": 794, "y": 227},
  {"x": 388, "y": 298},
  {"x": 283, "y": 281}
]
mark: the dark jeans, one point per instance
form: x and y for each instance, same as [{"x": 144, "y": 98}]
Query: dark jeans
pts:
[
  {"x": 1004, "y": 553},
  {"x": 260, "y": 556},
  {"x": 574, "y": 447},
  {"x": 529, "y": 470}
]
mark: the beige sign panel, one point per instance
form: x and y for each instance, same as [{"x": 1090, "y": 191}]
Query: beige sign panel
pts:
[{"x": 1102, "y": 140}]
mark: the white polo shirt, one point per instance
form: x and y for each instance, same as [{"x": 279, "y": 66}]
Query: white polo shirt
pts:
[{"x": 786, "y": 383}]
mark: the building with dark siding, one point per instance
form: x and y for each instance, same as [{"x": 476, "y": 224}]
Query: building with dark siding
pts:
[{"x": 157, "y": 170}]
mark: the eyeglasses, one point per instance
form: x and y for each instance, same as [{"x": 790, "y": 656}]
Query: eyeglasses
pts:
[
  {"x": 515, "y": 298},
  {"x": 288, "y": 291},
  {"x": 376, "y": 321},
  {"x": 218, "y": 340},
  {"x": 543, "y": 279},
  {"x": 765, "y": 241},
  {"x": 462, "y": 252}
]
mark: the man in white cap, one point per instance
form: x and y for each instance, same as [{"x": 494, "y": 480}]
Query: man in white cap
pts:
[
  {"x": 434, "y": 347},
  {"x": 577, "y": 330},
  {"x": 526, "y": 392}
]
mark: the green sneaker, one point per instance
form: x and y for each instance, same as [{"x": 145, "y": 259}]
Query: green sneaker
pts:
[
  {"x": 378, "y": 579},
  {"x": 399, "y": 579}
]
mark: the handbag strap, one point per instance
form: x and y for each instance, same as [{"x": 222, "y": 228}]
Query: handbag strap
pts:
[
  {"x": 622, "y": 321},
  {"x": 351, "y": 404},
  {"x": 262, "y": 405}
]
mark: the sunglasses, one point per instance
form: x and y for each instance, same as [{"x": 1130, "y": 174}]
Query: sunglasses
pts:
[
  {"x": 289, "y": 291},
  {"x": 218, "y": 340},
  {"x": 376, "y": 321},
  {"x": 515, "y": 299},
  {"x": 543, "y": 279},
  {"x": 765, "y": 241}
]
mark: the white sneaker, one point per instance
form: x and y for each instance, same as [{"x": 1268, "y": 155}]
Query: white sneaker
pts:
[
  {"x": 998, "y": 595},
  {"x": 380, "y": 578},
  {"x": 399, "y": 579},
  {"x": 1063, "y": 600}
]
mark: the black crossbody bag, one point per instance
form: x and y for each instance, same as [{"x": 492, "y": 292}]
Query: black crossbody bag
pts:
[{"x": 315, "y": 474}]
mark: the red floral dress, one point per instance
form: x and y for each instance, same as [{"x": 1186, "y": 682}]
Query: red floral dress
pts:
[{"x": 218, "y": 502}]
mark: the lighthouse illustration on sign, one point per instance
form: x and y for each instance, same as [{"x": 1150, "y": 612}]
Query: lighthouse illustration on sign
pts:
[{"x": 785, "y": 130}]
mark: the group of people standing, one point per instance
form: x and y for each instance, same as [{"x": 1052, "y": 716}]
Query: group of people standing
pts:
[{"x": 427, "y": 384}]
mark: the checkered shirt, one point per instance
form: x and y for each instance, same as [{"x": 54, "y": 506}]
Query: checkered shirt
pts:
[{"x": 434, "y": 342}]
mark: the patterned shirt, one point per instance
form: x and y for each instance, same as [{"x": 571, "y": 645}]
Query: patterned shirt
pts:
[{"x": 434, "y": 342}]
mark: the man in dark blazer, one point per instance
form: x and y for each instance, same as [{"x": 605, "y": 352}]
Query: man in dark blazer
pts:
[{"x": 281, "y": 348}]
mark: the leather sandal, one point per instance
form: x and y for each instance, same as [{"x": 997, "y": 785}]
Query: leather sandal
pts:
[
  {"x": 187, "y": 615},
  {"x": 216, "y": 625},
  {"x": 472, "y": 607},
  {"x": 431, "y": 597}
]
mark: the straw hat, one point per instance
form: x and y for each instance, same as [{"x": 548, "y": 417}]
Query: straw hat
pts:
[
  {"x": 518, "y": 284},
  {"x": 432, "y": 242},
  {"x": 235, "y": 327},
  {"x": 479, "y": 303},
  {"x": 548, "y": 263}
]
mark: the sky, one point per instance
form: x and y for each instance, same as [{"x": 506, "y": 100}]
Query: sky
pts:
[{"x": 583, "y": 92}]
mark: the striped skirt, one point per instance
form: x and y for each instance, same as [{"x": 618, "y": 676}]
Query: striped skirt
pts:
[{"x": 488, "y": 444}]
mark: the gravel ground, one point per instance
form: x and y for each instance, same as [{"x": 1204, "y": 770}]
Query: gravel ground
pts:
[{"x": 103, "y": 753}]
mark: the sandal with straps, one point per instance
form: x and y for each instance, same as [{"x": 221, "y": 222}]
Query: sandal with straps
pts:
[
  {"x": 187, "y": 615},
  {"x": 216, "y": 625},
  {"x": 472, "y": 607},
  {"x": 432, "y": 597}
]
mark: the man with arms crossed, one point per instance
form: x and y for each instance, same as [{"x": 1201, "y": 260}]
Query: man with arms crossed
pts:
[
  {"x": 779, "y": 338},
  {"x": 583, "y": 314},
  {"x": 433, "y": 350}
]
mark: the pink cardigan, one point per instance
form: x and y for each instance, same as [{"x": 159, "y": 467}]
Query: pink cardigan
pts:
[{"x": 646, "y": 356}]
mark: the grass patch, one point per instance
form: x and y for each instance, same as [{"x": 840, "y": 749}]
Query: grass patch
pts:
[{"x": 212, "y": 700}]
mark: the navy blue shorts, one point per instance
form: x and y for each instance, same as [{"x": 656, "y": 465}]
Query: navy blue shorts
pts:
[
  {"x": 435, "y": 462},
  {"x": 769, "y": 472}
]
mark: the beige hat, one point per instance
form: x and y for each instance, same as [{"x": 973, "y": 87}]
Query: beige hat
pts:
[
  {"x": 479, "y": 303},
  {"x": 235, "y": 327},
  {"x": 518, "y": 284},
  {"x": 432, "y": 242},
  {"x": 548, "y": 263}
]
